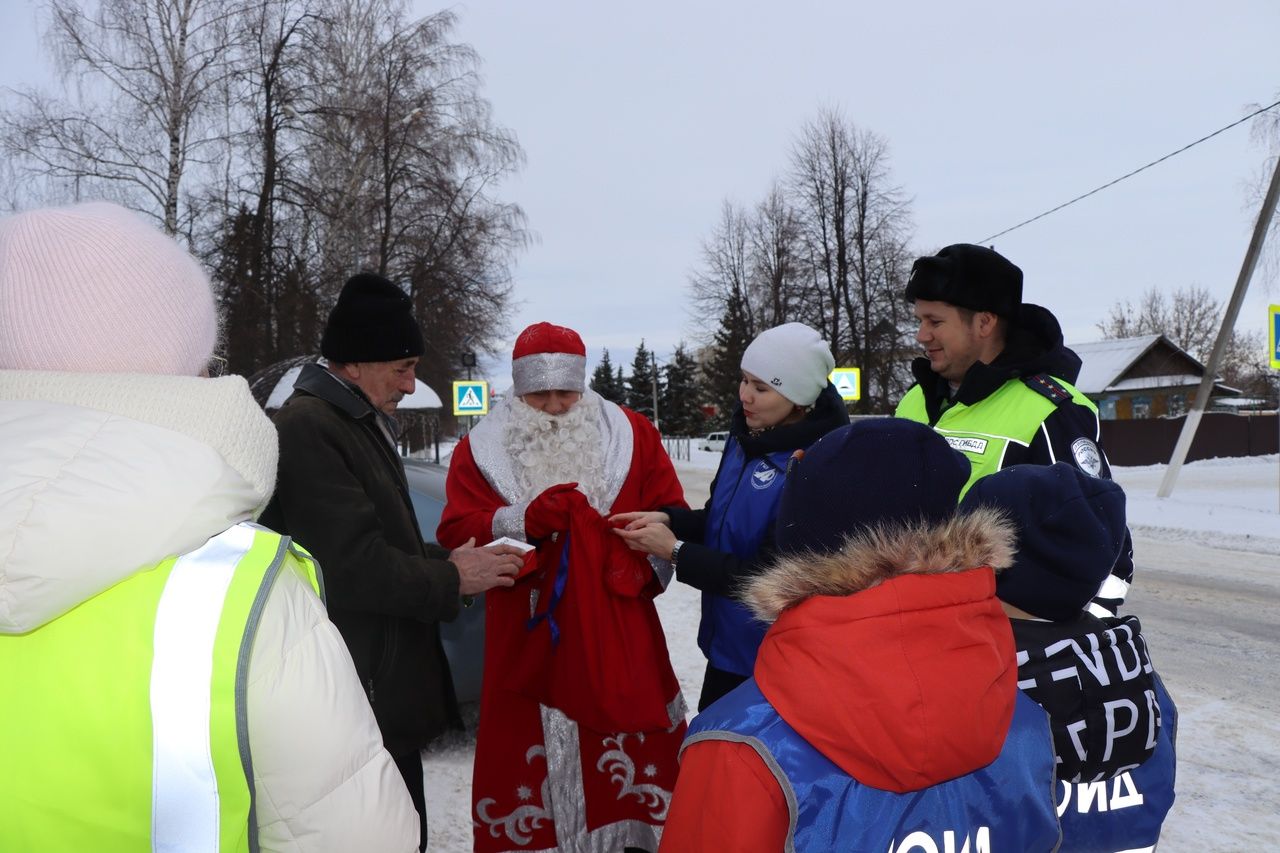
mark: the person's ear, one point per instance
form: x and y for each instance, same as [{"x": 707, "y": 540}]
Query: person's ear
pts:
[{"x": 987, "y": 324}]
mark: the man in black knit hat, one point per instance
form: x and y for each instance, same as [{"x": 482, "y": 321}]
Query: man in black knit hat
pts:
[
  {"x": 341, "y": 493},
  {"x": 995, "y": 378}
]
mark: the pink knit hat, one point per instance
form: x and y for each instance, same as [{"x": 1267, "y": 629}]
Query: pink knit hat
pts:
[{"x": 95, "y": 288}]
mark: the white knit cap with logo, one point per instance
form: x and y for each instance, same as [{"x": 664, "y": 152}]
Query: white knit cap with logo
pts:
[
  {"x": 792, "y": 359},
  {"x": 95, "y": 288}
]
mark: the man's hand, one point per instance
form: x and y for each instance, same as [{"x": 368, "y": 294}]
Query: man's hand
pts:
[
  {"x": 636, "y": 520},
  {"x": 480, "y": 569},
  {"x": 656, "y": 539},
  {"x": 549, "y": 511}
]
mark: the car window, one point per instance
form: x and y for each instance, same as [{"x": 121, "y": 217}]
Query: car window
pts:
[{"x": 428, "y": 510}]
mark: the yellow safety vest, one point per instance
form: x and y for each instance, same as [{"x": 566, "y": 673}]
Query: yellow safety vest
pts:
[
  {"x": 123, "y": 724},
  {"x": 984, "y": 431}
]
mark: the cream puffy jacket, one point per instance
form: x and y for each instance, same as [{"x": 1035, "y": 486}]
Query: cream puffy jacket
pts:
[{"x": 104, "y": 474}]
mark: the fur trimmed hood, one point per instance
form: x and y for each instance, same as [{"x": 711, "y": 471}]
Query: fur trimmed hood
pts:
[
  {"x": 893, "y": 657},
  {"x": 981, "y": 538}
]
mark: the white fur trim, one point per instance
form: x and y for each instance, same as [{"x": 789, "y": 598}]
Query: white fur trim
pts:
[
  {"x": 548, "y": 371},
  {"x": 488, "y": 448}
]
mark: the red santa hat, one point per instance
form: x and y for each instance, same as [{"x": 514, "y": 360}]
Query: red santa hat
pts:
[{"x": 548, "y": 357}]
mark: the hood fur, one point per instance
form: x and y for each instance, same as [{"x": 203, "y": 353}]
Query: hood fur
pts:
[{"x": 981, "y": 538}]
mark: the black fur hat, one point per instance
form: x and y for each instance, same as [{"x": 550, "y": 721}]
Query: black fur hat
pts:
[
  {"x": 968, "y": 276},
  {"x": 372, "y": 321}
]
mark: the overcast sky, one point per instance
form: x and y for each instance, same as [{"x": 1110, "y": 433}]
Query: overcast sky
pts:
[{"x": 638, "y": 121}]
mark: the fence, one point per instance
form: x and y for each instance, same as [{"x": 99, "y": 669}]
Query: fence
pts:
[
  {"x": 678, "y": 447},
  {"x": 1221, "y": 434}
]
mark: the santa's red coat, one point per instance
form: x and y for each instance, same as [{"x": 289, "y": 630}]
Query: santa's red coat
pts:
[{"x": 576, "y": 748}]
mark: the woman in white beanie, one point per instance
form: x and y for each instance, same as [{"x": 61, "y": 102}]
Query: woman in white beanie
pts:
[
  {"x": 170, "y": 677},
  {"x": 786, "y": 403}
]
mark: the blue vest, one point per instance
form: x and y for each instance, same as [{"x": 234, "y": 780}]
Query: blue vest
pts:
[
  {"x": 1124, "y": 813},
  {"x": 743, "y": 509},
  {"x": 1005, "y": 806}
]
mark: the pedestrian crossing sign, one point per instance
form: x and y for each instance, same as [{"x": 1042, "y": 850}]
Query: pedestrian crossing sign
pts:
[
  {"x": 1273, "y": 314},
  {"x": 471, "y": 398},
  {"x": 848, "y": 382}
]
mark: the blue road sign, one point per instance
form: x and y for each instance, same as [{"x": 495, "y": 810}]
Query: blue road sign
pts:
[
  {"x": 1274, "y": 327},
  {"x": 471, "y": 397}
]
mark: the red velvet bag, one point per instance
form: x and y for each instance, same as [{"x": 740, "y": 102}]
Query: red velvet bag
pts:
[{"x": 595, "y": 648}]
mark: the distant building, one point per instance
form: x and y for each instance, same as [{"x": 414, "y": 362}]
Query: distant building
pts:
[{"x": 1145, "y": 377}]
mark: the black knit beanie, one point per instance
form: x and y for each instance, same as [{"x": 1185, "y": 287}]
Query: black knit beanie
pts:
[
  {"x": 1071, "y": 530},
  {"x": 968, "y": 276},
  {"x": 880, "y": 472},
  {"x": 372, "y": 321}
]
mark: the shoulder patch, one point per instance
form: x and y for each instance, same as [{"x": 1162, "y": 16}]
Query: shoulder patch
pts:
[
  {"x": 1046, "y": 386},
  {"x": 1087, "y": 456}
]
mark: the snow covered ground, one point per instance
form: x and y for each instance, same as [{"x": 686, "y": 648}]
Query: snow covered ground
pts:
[{"x": 1221, "y": 525}]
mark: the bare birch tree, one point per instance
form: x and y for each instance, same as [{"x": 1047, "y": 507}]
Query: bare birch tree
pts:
[
  {"x": 138, "y": 76},
  {"x": 856, "y": 223},
  {"x": 724, "y": 272}
]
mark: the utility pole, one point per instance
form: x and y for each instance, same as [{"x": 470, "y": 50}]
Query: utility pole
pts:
[
  {"x": 1251, "y": 254},
  {"x": 653, "y": 359},
  {"x": 468, "y": 361}
]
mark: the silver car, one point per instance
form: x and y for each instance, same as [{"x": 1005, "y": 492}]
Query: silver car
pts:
[{"x": 463, "y": 637}]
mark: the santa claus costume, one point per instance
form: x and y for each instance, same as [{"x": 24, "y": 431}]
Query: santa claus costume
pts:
[{"x": 581, "y": 716}]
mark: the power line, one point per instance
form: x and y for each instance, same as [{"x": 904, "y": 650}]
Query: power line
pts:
[{"x": 1130, "y": 174}]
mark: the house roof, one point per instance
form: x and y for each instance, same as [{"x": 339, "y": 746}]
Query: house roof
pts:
[
  {"x": 1142, "y": 383},
  {"x": 1104, "y": 362}
]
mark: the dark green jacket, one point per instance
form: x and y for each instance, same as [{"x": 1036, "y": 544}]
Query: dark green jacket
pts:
[{"x": 341, "y": 493}]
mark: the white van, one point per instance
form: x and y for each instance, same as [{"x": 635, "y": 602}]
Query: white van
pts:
[{"x": 714, "y": 441}]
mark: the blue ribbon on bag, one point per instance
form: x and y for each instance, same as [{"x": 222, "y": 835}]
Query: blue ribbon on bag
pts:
[{"x": 557, "y": 592}]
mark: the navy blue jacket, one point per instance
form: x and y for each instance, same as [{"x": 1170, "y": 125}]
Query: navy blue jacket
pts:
[{"x": 731, "y": 538}]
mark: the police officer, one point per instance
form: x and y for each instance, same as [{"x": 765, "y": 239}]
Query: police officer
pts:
[{"x": 995, "y": 378}]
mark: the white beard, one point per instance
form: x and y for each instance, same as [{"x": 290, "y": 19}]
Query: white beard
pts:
[{"x": 553, "y": 449}]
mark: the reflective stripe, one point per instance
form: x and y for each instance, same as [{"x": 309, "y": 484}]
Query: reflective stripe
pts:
[
  {"x": 1113, "y": 587},
  {"x": 185, "y": 808},
  {"x": 1048, "y": 442}
]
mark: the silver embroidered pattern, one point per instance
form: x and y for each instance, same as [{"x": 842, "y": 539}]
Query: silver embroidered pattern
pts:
[
  {"x": 622, "y": 772},
  {"x": 662, "y": 570},
  {"x": 509, "y": 521},
  {"x": 677, "y": 710},
  {"x": 548, "y": 371},
  {"x": 520, "y": 823},
  {"x": 568, "y": 804},
  {"x": 564, "y": 769}
]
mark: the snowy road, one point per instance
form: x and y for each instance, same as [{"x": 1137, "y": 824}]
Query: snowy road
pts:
[{"x": 1210, "y": 618}]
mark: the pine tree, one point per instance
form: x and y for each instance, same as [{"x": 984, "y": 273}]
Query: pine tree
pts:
[
  {"x": 680, "y": 409},
  {"x": 606, "y": 383},
  {"x": 640, "y": 384},
  {"x": 723, "y": 370}
]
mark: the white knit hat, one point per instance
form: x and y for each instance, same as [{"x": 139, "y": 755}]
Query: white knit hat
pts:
[
  {"x": 95, "y": 288},
  {"x": 793, "y": 359}
]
